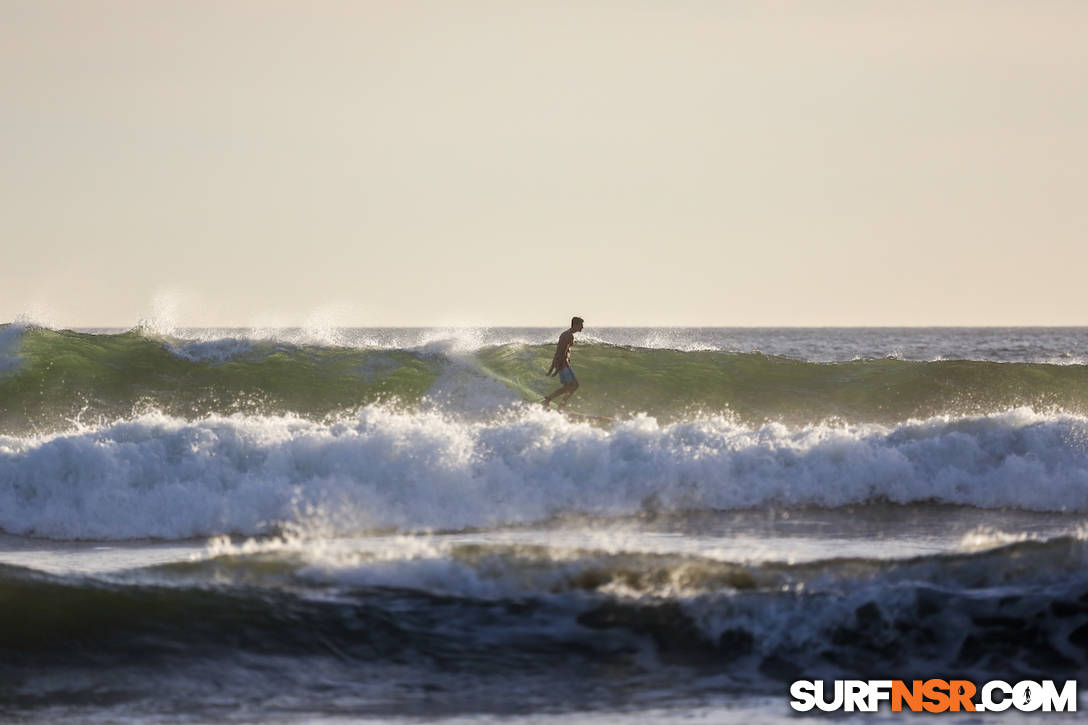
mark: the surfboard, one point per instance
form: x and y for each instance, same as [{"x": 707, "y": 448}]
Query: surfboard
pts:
[
  {"x": 575, "y": 415},
  {"x": 584, "y": 416},
  {"x": 589, "y": 418}
]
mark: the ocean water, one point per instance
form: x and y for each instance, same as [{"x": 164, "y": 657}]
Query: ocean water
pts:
[{"x": 382, "y": 525}]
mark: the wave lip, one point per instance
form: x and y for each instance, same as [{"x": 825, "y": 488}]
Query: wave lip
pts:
[{"x": 158, "y": 476}]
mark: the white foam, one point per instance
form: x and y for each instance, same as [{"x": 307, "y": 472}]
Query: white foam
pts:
[
  {"x": 1066, "y": 360},
  {"x": 461, "y": 387},
  {"x": 220, "y": 344},
  {"x": 987, "y": 537},
  {"x": 157, "y": 476}
]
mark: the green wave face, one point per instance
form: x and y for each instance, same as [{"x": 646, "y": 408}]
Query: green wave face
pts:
[
  {"x": 66, "y": 374},
  {"x": 673, "y": 385}
]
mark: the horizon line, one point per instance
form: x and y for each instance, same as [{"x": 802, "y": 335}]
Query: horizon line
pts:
[{"x": 590, "y": 327}]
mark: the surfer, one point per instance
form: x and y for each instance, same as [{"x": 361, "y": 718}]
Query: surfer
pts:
[{"x": 561, "y": 364}]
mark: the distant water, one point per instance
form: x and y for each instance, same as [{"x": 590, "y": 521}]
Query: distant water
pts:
[{"x": 346, "y": 525}]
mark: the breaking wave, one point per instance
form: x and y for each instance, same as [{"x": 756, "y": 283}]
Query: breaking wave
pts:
[
  {"x": 383, "y": 469},
  {"x": 49, "y": 378}
]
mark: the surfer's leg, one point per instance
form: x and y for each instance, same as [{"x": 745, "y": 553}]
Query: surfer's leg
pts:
[
  {"x": 570, "y": 388},
  {"x": 558, "y": 391},
  {"x": 565, "y": 390},
  {"x": 570, "y": 384}
]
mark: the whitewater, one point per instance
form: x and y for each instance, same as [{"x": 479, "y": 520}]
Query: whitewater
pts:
[
  {"x": 386, "y": 470},
  {"x": 379, "y": 524}
]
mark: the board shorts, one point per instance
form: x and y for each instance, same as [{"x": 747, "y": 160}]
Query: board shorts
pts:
[{"x": 566, "y": 375}]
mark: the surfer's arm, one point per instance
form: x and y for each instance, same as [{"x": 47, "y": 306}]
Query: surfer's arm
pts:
[
  {"x": 554, "y": 367},
  {"x": 562, "y": 354}
]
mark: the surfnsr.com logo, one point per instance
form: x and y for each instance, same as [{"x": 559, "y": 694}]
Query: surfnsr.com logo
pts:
[{"x": 934, "y": 696}]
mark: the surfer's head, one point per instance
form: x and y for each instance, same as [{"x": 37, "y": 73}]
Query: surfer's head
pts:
[{"x": 576, "y": 324}]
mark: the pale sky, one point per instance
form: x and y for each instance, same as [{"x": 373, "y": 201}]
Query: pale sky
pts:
[{"x": 676, "y": 162}]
